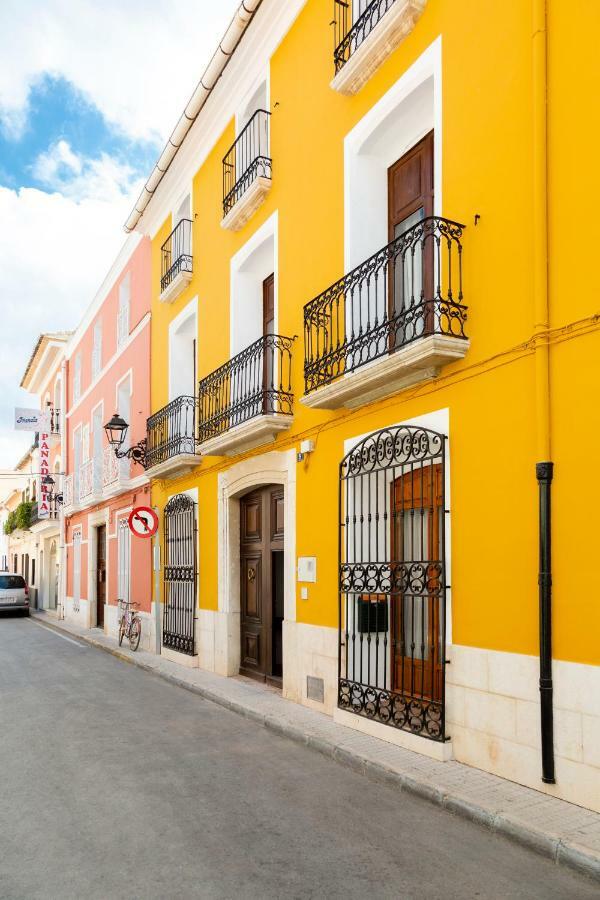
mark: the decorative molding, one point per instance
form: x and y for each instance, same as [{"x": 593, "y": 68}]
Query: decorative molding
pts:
[
  {"x": 396, "y": 24},
  {"x": 254, "y": 433},
  {"x": 247, "y": 205},
  {"x": 174, "y": 467},
  {"x": 419, "y": 361},
  {"x": 175, "y": 287}
]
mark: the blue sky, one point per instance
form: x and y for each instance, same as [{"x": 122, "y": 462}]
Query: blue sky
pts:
[
  {"x": 89, "y": 93},
  {"x": 57, "y": 110}
]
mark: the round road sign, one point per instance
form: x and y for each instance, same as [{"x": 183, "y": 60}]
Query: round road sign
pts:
[{"x": 143, "y": 522}]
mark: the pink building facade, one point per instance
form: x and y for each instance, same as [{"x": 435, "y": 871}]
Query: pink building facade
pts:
[{"x": 108, "y": 371}]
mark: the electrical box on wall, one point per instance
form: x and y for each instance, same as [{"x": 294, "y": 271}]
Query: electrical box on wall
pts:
[{"x": 307, "y": 568}]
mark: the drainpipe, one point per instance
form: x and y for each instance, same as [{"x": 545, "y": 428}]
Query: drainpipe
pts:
[{"x": 544, "y": 468}]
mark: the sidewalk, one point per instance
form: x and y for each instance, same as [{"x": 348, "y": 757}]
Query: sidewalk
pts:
[{"x": 570, "y": 835}]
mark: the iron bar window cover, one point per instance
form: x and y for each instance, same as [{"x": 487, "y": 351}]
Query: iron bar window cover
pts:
[
  {"x": 410, "y": 289},
  {"x": 180, "y": 574},
  {"x": 247, "y": 159},
  {"x": 176, "y": 253},
  {"x": 255, "y": 382},
  {"x": 392, "y": 580},
  {"x": 353, "y": 22},
  {"x": 172, "y": 431}
]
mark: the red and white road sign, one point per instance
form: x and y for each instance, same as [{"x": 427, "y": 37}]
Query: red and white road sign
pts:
[{"x": 143, "y": 521}]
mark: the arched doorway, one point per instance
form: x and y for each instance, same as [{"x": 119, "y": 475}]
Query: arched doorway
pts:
[
  {"x": 392, "y": 628},
  {"x": 262, "y": 583}
]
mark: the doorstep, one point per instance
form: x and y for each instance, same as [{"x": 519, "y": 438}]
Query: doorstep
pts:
[{"x": 568, "y": 834}]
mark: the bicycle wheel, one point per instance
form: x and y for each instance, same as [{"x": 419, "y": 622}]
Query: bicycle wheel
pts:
[
  {"x": 121, "y": 630},
  {"x": 135, "y": 633}
]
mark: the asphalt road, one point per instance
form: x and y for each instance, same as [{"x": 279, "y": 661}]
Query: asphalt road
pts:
[{"x": 116, "y": 784}]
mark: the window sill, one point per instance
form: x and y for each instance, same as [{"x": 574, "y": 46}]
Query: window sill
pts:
[
  {"x": 418, "y": 361},
  {"x": 247, "y": 205},
  {"x": 179, "y": 283},
  {"x": 247, "y": 436},
  {"x": 397, "y": 23}
]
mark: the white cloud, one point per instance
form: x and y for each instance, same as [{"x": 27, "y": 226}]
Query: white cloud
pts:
[
  {"x": 138, "y": 61},
  {"x": 80, "y": 178},
  {"x": 54, "y": 253}
]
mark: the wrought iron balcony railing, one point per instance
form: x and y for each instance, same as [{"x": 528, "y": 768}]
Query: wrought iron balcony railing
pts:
[
  {"x": 171, "y": 431},
  {"x": 353, "y": 22},
  {"x": 247, "y": 159},
  {"x": 256, "y": 382},
  {"x": 54, "y": 420},
  {"x": 410, "y": 289},
  {"x": 176, "y": 253}
]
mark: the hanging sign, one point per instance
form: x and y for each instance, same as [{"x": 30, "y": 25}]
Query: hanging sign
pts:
[
  {"x": 32, "y": 420},
  {"x": 43, "y": 504},
  {"x": 143, "y": 522}
]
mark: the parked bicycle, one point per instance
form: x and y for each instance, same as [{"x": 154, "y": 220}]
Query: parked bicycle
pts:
[{"x": 130, "y": 624}]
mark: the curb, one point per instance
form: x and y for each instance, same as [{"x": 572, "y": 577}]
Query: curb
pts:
[{"x": 568, "y": 854}]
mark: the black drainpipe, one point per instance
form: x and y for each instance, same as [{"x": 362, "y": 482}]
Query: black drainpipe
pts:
[{"x": 544, "y": 472}]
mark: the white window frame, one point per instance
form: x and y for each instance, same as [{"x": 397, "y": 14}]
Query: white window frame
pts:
[
  {"x": 123, "y": 559},
  {"x": 76, "y": 570},
  {"x": 97, "y": 349},
  {"x": 124, "y": 311},
  {"x": 77, "y": 378}
]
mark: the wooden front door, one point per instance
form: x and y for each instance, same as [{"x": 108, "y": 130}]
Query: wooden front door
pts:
[
  {"x": 417, "y": 522},
  {"x": 261, "y": 587},
  {"x": 100, "y": 575},
  {"x": 410, "y": 200}
]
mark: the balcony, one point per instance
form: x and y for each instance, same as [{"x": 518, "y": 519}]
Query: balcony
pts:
[
  {"x": 54, "y": 420},
  {"x": 90, "y": 482},
  {"x": 393, "y": 321},
  {"x": 36, "y": 519},
  {"x": 247, "y": 171},
  {"x": 248, "y": 401},
  {"x": 176, "y": 261},
  {"x": 172, "y": 445},
  {"x": 115, "y": 474},
  {"x": 365, "y": 33}
]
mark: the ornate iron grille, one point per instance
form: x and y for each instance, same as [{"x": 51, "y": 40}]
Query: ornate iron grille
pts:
[
  {"x": 352, "y": 24},
  {"x": 172, "y": 431},
  {"x": 255, "y": 382},
  {"x": 392, "y": 580},
  {"x": 247, "y": 159},
  {"x": 54, "y": 420},
  {"x": 176, "y": 253},
  {"x": 408, "y": 290},
  {"x": 180, "y": 575}
]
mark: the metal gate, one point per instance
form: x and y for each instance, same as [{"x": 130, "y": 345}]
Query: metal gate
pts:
[
  {"x": 392, "y": 582},
  {"x": 179, "y": 574}
]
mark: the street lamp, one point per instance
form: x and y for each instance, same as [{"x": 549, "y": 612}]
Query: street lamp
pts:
[
  {"x": 116, "y": 431},
  {"x": 51, "y": 497}
]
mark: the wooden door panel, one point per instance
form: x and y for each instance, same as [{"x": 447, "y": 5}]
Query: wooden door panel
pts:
[
  {"x": 252, "y": 588},
  {"x": 251, "y": 529},
  {"x": 277, "y": 516},
  {"x": 100, "y": 575}
]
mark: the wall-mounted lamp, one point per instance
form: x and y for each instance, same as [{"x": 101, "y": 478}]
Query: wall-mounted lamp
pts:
[
  {"x": 51, "y": 497},
  {"x": 116, "y": 431}
]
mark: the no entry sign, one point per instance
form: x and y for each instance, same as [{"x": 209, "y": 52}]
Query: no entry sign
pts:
[{"x": 143, "y": 521}]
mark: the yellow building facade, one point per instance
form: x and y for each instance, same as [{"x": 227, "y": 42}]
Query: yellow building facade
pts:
[{"x": 372, "y": 317}]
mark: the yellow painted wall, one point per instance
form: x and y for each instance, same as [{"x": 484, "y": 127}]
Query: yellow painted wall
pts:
[{"x": 487, "y": 169}]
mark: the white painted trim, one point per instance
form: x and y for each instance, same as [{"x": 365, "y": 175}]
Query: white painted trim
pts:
[
  {"x": 271, "y": 23},
  {"x": 189, "y": 311},
  {"x": 394, "y": 26},
  {"x": 110, "y": 363},
  {"x": 276, "y": 467},
  {"x": 255, "y": 433},
  {"x": 244, "y": 208},
  {"x": 268, "y": 230},
  {"x": 112, "y": 276},
  {"x": 428, "y": 65}
]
